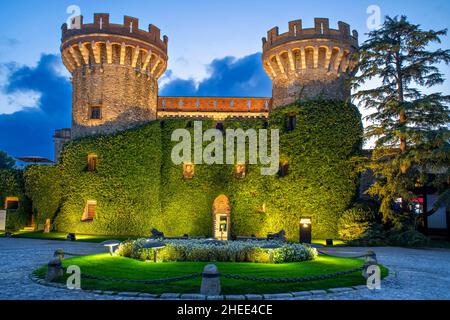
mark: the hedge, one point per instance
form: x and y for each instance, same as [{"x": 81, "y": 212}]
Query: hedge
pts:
[
  {"x": 137, "y": 187},
  {"x": 12, "y": 185}
]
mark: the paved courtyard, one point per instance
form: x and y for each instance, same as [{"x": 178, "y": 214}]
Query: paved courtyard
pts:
[{"x": 415, "y": 273}]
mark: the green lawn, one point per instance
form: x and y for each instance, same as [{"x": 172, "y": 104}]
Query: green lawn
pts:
[{"x": 118, "y": 267}]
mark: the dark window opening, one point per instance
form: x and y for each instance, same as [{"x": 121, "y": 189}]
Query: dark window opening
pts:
[
  {"x": 161, "y": 124},
  {"x": 291, "y": 123},
  {"x": 12, "y": 203},
  {"x": 96, "y": 113},
  {"x": 189, "y": 125},
  {"x": 284, "y": 169},
  {"x": 219, "y": 126}
]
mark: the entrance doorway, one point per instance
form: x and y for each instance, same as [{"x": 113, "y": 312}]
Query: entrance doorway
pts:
[{"x": 221, "y": 218}]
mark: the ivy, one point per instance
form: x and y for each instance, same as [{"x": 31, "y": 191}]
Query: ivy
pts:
[{"x": 137, "y": 187}]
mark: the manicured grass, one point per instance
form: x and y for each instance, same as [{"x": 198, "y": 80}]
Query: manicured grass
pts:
[
  {"x": 62, "y": 236},
  {"x": 124, "y": 268}
]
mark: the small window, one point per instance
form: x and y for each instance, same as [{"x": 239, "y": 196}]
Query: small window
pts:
[
  {"x": 249, "y": 104},
  {"x": 96, "y": 113},
  {"x": 11, "y": 203},
  {"x": 291, "y": 123},
  {"x": 219, "y": 126},
  {"x": 189, "y": 125},
  {"x": 180, "y": 104},
  {"x": 284, "y": 169},
  {"x": 232, "y": 104},
  {"x": 240, "y": 171},
  {"x": 198, "y": 104},
  {"x": 89, "y": 211},
  {"x": 266, "y": 104},
  {"x": 215, "y": 104},
  {"x": 188, "y": 170},
  {"x": 92, "y": 162},
  {"x": 164, "y": 104}
]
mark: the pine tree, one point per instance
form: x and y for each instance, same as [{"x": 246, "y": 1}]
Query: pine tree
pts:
[{"x": 410, "y": 128}]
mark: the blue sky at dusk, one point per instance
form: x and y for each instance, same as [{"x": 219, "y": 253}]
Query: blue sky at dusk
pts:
[{"x": 214, "y": 49}]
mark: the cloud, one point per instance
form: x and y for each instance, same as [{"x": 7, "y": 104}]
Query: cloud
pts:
[
  {"x": 45, "y": 96},
  {"x": 34, "y": 101},
  {"x": 227, "y": 77}
]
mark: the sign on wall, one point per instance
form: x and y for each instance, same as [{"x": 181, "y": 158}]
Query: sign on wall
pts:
[{"x": 2, "y": 220}]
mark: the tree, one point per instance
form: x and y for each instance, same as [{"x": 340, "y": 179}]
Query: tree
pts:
[
  {"x": 6, "y": 162},
  {"x": 409, "y": 126}
]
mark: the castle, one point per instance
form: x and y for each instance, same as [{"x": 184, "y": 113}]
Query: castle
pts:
[{"x": 115, "y": 70}]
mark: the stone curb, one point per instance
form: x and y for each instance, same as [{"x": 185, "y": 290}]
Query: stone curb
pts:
[{"x": 196, "y": 296}]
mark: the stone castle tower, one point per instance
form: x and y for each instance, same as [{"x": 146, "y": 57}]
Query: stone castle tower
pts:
[
  {"x": 307, "y": 63},
  {"x": 115, "y": 69}
]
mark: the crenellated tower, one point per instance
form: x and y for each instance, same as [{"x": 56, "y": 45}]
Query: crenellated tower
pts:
[
  {"x": 115, "y": 69},
  {"x": 307, "y": 63}
]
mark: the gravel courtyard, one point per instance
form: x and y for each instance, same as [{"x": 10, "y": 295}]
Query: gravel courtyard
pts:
[{"x": 416, "y": 274}]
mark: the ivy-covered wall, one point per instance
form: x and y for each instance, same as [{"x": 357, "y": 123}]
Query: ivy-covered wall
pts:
[
  {"x": 12, "y": 185},
  {"x": 137, "y": 187},
  {"x": 43, "y": 186}
]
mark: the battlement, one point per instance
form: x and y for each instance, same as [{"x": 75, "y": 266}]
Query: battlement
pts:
[
  {"x": 213, "y": 107},
  {"x": 321, "y": 30},
  {"x": 129, "y": 28}
]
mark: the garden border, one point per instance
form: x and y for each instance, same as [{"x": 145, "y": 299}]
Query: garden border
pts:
[{"x": 197, "y": 296}]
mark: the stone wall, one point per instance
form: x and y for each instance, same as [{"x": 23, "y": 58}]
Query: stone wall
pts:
[
  {"x": 115, "y": 70},
  {"x": 126, "y": 99},
  {"x": 308, "y": 63}
]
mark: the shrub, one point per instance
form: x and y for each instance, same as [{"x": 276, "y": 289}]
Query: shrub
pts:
[
  {"x": 208, "y": 251},
  {"x": 355, "y": 224},
  {"x": 410, "y": 238}
]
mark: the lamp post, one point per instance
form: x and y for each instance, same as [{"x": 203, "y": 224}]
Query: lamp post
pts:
[{"x": 305, "y": 230}]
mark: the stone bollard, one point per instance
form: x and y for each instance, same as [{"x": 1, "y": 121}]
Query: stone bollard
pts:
[
  {"x": 371, "y": 259},
  {"x": 55, "y": 270},
  {"x": 210, "y": 281}
]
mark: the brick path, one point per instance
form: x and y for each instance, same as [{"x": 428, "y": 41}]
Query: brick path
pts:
[{"x": 415, "y": 274}]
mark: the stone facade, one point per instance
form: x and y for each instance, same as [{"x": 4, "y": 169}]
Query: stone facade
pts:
[
  {"x": 115, "y": 69},
  {"x": 307, "y": 63}
]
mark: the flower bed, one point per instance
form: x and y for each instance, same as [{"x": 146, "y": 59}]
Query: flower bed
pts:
[{"x": 215, "y": 251}]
